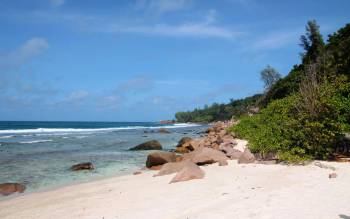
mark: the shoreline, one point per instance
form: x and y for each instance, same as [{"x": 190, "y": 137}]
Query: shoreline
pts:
[
  {"x": 108, "y": 151},
  {"x": 230, "y": 189},
  {"x": 73, "y": 183}
]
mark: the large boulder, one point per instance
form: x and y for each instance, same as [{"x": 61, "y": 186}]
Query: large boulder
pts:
[
  {"x": 187, "y": 144},
  {"x": 82, "y": 166},
  {"x": 183, "y": 141},
  {"x": 149, "y": 145},
  {"x": 188, "y": 172},
  {"x": 160, "y": 158},
  {"x": 10, "y": 188},
  {"x": 163, "y": 131},
  {"x": 204, "y": 155},
  {"x": 246, "y": 157},
  {"x": 172, "y": 167},
  {"x": 230, "y": 152},
  {"x": 210, "y": 129}
]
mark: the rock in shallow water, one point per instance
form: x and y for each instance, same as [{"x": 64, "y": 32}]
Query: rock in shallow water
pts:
[
  {"x": 184, "y": 145},
  {"x": 10, "y": 188},
  {"x": 82, "y": 166},
  {"x": 163, "y": 131},
  {"x": 149, "y": 145}
]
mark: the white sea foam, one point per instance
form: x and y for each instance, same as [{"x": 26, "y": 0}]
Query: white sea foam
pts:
[
  {"x": 6, "y": 136},
  {"x": 58, "y": 131},
  {"x": 33, "y": 142},
  {"x": 83, "y": 136}
]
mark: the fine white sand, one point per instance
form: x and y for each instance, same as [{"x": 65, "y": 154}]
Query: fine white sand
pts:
[{"x": 233, "y": 191}]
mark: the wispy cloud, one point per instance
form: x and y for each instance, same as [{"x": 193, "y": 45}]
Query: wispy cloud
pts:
[
  {"x": 18, "y": 88},
  {"x": 57, "y": 3},
  {"x": 119, "y": 95},
  {"x": 163, "y": 6},
  {"x": 30, "y": 49},
  {"x": 205, "y": 28},
  {"x": 276, "y": 40},
  {"x": 182, "y": 30}
]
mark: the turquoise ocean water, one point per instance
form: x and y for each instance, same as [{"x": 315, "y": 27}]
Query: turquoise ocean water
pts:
[{"x": 39, "y": 154}]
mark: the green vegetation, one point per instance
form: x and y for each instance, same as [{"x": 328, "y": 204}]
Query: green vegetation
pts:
[
  {"x": 308, "y": 111},
  {"x": 217, "y": 112},
  {"x": 303, "y": 115},
  {"x": 269, "y": 76}
]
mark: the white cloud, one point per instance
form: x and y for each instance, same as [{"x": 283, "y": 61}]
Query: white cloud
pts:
[
  {"x": 31, "y": 48},
  {"x": 163, "y": 6},
  {"x": 140, "y": 83},
  {"x": 276, "y": 40},
  {"x": 57, "y": 3},
  {"x": 78, "y": 95},
  {"x": 204, "y": 29}
]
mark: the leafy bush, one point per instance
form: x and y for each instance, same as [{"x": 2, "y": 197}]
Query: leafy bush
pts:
[
  {"x": 217, "y": 112},
  {"x": 288, "y": 128}
]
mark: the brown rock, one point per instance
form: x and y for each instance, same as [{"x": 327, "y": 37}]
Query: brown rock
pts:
[
  {"x": 170, "y": 168},
  {"x": 332, "y": 175},
  {"x": 149, "y": 145},
  {"x": 10, "y": 188},
  {"x": 155, "y": 167},
  {"x": 181, "y": 150},
  {"x": 160, "y": 158},
  {"x": 223, "y": 162},
  {"x": 209, "y": 130},
  {"x": 246, "y": 157},
  {"x": 222, "y": 133},
  {"x": 178, "y": 158},
  {"x": 228, "y": 139},
  {"x": 195, "y": 143},
  {"x": 82, "y": 166},
  {"x": 163, "y": 131},
  {"x": 183, "y": 141},
  {"x": 188, "y": 172},
  {"x": 137, "y": 172},
  {"x": 204, "y": 155},
  {"x": 230, "y": 151},
  {"x": 186, "y": 145}
]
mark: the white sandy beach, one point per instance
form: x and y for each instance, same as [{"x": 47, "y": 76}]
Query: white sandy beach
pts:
[{"x": 233, "y": 191}]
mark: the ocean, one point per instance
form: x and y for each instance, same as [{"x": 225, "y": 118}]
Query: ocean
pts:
[{"x": 39, "y": 154}]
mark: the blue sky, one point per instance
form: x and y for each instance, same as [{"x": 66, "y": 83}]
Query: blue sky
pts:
[{"x": 144, "y": 60}]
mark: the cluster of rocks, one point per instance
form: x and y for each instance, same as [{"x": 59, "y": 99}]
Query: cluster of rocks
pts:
[
  {"x": 10, "y": 188},
  {"x": 148, "y": 145},
  {"x": 217, "y": 146},
  {"x": 161, "y": 131}
]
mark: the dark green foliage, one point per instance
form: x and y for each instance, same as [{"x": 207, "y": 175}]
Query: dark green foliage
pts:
[
  {"x": 269, "y": 76},
  {"x": 339, "y": 51},
  {"x": 218, "y": 112},
  {"x": 308, "y": 111},
  {"x": 287, "y": 128},
  {"x": 332, "y": 59},
  {"x": 312, "y": 42},
  {"x": 285, "y": 86}
]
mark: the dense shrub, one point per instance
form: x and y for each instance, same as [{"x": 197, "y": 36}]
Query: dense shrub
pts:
[
  {"x": 288, "y": 128},
  {"x": 217, "y": 112}
]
